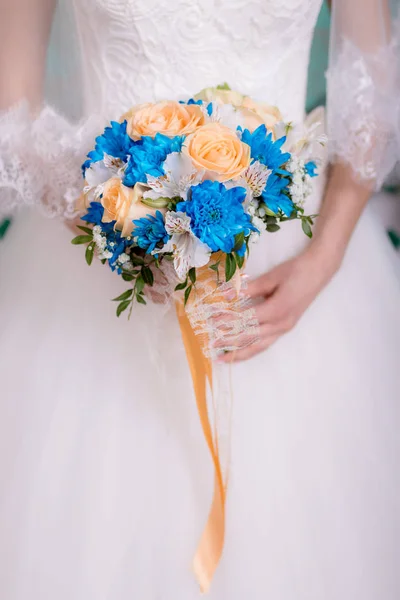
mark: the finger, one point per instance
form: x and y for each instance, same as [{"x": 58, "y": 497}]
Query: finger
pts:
[
  {"x": 270, "y": 311},
  {"x": 249, "y": 352},
  {"x": 247, "y": 338},
  {"x": 264, "y": 285}
]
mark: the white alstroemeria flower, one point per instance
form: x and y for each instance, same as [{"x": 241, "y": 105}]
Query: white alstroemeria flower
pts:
[
  {"x": 99, "y": 172},
  {"x": 254, "y": 179},
  {"x": 227, "y": 115},
  {"x": 180, "y": 175},
  {"x": 188, "y": 251},
  {"x": 301, "y": 140}
]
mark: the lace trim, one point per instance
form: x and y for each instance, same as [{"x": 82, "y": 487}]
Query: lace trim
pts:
[
  {"x": 40, "y": 160},
  {"x": 363, "y": 111}
]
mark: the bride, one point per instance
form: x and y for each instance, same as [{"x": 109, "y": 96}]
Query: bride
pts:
[{"x": 105, "y": 479}]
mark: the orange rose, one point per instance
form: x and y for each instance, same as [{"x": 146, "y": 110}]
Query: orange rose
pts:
[
  {"x": 168, "y": 118},
  {"x": 218, "y": 150},
  {"x": 123, "y": 204}
]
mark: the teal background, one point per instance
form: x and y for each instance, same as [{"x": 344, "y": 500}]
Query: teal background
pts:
[{"x": 319, "y": 60}]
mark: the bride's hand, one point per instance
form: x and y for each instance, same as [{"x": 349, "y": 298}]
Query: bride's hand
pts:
[{"x": 284, "y": 294}]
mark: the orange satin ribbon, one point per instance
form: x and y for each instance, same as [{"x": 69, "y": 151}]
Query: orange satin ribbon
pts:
[{"x": 209, "y": 550}]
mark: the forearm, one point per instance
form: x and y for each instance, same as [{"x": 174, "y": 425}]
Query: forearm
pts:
[{"x": 343, "y": 203}]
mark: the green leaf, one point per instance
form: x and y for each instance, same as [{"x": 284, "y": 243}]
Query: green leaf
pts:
[
  {"x": 230, "y": 267},
  {"x": 239, "y": 241},
  {"x": 139, "y": 284},
  {"x": 127, "y": 277},
  {"x": 147, "y": 275},
  {"x": 85, "y": 229},
  {"x": 89, "y": 253},
  {"x": 192, "y": 275},
  {"x": 137, "y": 260},
  {"x": 122, "y": 306},
  {"x": 124, "y": 296},
  {"x": 272, "y": 228},
  {"x": 270, "y": 220},
  {"x": 140, "y": 299},
  {"x": 181, "y": 286},
  {"x": 216, "y": 266},
  {"x": 239, "y": 261},
  {"x": 81, "y": 239},
  {"x": 306, "y": 227},
  {"x": 223, "y": 86},
  {"x": 103, "y": 261},
  {"x": 156, "y": 203},
  {"x": 187, "y": 294},
  {"x": 268, "y": 211}
]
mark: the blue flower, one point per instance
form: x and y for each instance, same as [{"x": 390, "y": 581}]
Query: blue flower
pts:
[
  {"x": 114, "y": 141},
  {"x": 147, "y": 155},
  {"x": 150, "y": 231},
  {"x": 265, "y": 150},
  {"x": 94, "y": 215},
  {"x": 311, "y": 168},
  {"x": 274, "y": 195},
  {"x": 192, "y": 101},
  {"x": 217, "y": 214}
]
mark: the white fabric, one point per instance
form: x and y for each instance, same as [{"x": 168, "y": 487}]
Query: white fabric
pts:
[
  {"x": 363, "y": 89},
  {"x": 105, "y": 478}
]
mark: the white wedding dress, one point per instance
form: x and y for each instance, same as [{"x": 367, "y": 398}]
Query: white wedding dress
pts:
[{"x": 105, "y": 477}]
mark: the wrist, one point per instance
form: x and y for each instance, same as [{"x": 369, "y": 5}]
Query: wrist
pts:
[{"x": 325, "y": 255}]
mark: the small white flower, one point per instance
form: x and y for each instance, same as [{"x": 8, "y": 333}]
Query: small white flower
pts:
[
  {"x": 180, "y": 175},
  {"x": 106, "y": 254},
  {"x": 99, "y": 239},
  {"x": 123, "y": 258}
]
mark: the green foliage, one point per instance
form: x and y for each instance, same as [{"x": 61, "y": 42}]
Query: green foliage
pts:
[
  {"x": 123, "y": 296},
  {"x": 192, "y": 275},
  {"x": 224, "y": 86},
  {"x": 181, "y": 286},
  {"x": 187, "y": 294},
  {"x": 230, "y": 266},
  {"x": 89, "y": 253},
  {"x": 306, "y": 223},
  {"x": 147, "y": 275},
  {"x": 122, "y": 306},
  {"x": 81, "y": 239},
  {"x": 85, "y": 229}
]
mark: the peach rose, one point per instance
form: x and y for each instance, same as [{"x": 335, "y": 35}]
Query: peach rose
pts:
[
  {"x": 222, "y": 95},
  {"x": 123, "y": 204},
  {"x": 168, "y": 118},
  {"x": 259, "y": 113},
  {"x": 218, "y": 150},
  {"x": 254, "y": 113}
]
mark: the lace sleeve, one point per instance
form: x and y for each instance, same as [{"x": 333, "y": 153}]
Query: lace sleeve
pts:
[
  {"x": 363, "y": 90},
  {"x": 40, "y": 150},
  {"x": 40, "y": 161}
]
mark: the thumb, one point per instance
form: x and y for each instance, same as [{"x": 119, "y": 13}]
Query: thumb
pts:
[{"x": 264, "y": 285}]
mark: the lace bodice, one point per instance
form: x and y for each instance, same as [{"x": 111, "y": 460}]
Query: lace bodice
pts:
[
  {"x": 133, "y": 51},
  {"x": 141, "y": 50}
]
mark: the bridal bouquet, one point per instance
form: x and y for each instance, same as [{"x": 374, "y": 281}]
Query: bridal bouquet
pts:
[{"x": 175, "y": 192}]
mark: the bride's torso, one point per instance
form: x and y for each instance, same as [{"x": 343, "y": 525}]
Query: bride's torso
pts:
[{"x": 141, "y": 50}]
